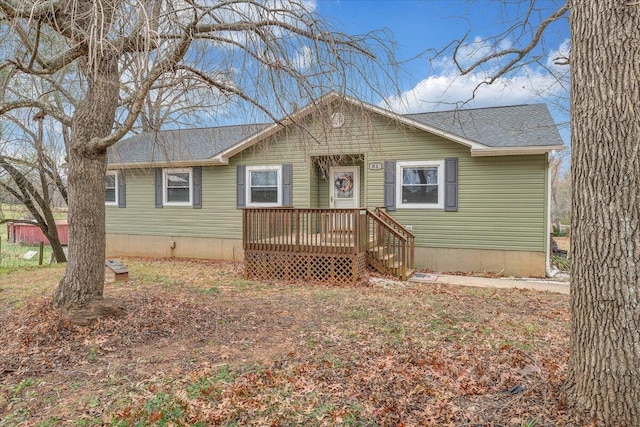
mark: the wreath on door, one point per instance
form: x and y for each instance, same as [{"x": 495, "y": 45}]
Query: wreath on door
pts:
[{"x": 344, "y": 183}]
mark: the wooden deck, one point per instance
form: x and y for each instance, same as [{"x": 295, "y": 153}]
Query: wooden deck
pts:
[
  {"x": 305, "y": 230},
  {"x": 314, "y": 242},
  {"x": 323, "y": 244}
]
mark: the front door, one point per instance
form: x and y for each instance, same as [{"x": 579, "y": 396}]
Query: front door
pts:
[
  {"x": 344, "y": 193},
  {"x": 344, "y": 187}
]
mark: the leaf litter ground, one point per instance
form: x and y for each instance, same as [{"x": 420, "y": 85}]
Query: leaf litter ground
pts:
[{"x": 202, "y": 346}]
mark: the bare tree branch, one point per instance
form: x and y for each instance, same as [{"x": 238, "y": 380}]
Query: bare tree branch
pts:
[
  {"x": 99, "y": 144},
  {"x": 515, "y": 55},
  {"x": 31, "y": 103}
]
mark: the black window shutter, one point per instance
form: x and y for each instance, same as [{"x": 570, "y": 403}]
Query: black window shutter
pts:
[
  {"x": 197, "y": 187},
  {"x": 159, "y": 185},
  {"x": 390, "y": 185},
  {"x": 122, "y": 190},
  {"x": 451, "y": 184},
  {"x": 241, "y": 194},
  {"x": 287, "y": 185}
]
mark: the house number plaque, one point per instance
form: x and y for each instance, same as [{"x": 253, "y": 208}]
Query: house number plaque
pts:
[{"x": 375, "y": 166}]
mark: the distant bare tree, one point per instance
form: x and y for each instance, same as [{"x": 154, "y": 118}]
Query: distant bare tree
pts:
[
  {"x": 267, "y": 54},
  {"x": 32, "y": 177},
  {"x": 560, "y": 188},
  {"x": 175, "y": 100}
]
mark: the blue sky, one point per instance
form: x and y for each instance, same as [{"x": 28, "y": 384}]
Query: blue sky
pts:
[{"x": 420, "y": 27}]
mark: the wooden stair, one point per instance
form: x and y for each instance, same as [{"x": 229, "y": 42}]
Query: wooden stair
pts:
[{"x": 391, "y": 245}]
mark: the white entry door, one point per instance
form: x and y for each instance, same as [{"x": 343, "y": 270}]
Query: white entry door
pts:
[
  {"x": 344, "y": 187},
  {"x": 344, "y": 193}
]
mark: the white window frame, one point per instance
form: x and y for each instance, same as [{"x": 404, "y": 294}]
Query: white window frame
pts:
[
  {"x": 250, "y": 169},
  {"x": 165, "y": 185},
  {"x": 115, "y": 175},
  {"x": 416, "y": 164}
]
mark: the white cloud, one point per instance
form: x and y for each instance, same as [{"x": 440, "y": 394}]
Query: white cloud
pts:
[
  {"x": 559, "y": 55},
  {"x": 447, "y": 89},
  {"x": 310, "y": 5},
  {"x": 303, "y": 59}
]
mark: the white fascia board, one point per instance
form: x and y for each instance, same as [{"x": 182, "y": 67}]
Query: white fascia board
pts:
[
  {"x": 177, "y": 164},
  {"x": 515, "y": 151}
]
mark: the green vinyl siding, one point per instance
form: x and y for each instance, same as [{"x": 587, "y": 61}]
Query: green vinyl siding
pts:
[
  {"x": 501, "y": 205},
  {"x": 314, "y": 187},
  {"x": 217, "y": 218},
  {"x": 501, "y": 200}
]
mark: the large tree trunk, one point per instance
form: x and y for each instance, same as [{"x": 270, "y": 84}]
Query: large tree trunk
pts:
[
  {"x": 83, "y": 281},
  {"x": 604, "y": 363}
]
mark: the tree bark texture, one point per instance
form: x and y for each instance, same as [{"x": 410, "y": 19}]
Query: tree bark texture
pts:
[
  {"x": 604, "y": 362},
  {"x": 83, "y": 281}
]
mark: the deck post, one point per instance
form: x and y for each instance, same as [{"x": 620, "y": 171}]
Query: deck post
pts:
[
  {"x": 245, "y": 224},
  {"x": 356, "y": 231},
  {"x": 404, "y": 260},
  {"x": 297, "y": 228}
]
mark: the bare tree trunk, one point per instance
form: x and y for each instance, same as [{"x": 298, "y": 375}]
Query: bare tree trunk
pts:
[
  {"x": 83, "y": 281},
  {"x": 604, "y": 363},
  {"x": 50, "y": 231},
  {"x": 56, "y": 248}
]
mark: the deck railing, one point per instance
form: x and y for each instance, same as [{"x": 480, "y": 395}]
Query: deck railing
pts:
[
  {"x": 411, "y": 238},
  {"x": 326, "y": 231}
]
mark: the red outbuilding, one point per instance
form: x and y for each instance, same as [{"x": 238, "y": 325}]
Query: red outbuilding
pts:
[{"x": 30, "y": 234}]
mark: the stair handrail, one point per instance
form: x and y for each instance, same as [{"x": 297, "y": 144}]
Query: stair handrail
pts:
[
  {"x": 389, "y": 219},
  {"x": 401, "y": 228},
  {"x": 383, "y": 223},
  {"x": 402, "y": 239}
]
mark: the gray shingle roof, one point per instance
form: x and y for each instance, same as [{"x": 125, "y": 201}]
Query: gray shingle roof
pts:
[
  {"x": 181, "y": 145},
  {"x": 496, "y": 127},
  {"x": 499, "y": 127}
]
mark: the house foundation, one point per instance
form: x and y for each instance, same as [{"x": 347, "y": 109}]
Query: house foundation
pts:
[{"x": 507, "y": 263}]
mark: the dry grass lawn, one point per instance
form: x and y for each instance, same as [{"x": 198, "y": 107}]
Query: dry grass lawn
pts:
[{"x": 201, "y": 346}]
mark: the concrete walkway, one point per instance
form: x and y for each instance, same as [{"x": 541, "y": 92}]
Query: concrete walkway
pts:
[{"x": 550, "y": 285}]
